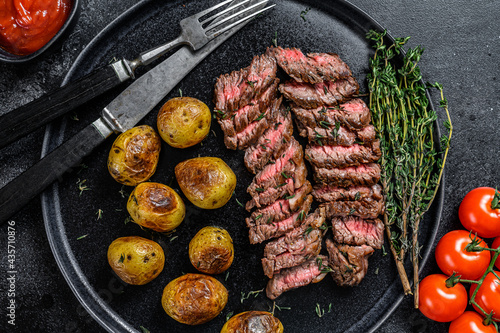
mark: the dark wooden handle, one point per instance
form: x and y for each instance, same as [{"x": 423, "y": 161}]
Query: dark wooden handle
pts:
[
  {"x": 33, "y": 181},
  {"x": 22, "y": 121}
]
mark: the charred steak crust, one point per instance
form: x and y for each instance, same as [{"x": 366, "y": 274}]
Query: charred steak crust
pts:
[
  {"x": 313, "y": 68},
  {"x": 254, "y": 130},
  {"x": 364, "y": 174},
  {"x": 327, "y": 192},
  {"x": 235, "y": 90},
  {"x": 354, "y": 230},
  {"x": 365, "y": 208},
  {"x": 296, "y": 246},
  {"x": 235, "y": 122},
  {"x": 349, "y": 264},
  {"x": 353, "y": 114},
  {"x": 341, "y": 157},
  {"x": 260, "y": 233},
  {"x": 287, "y": 279},
  {"x": 271, "y": 144},
  {"x": 327, "y": 93},
  {"x": 284, "y": 167},
  {"x": 280, "y": 209}
]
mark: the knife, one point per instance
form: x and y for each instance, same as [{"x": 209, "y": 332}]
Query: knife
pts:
[{"x": 123, "y": 113}]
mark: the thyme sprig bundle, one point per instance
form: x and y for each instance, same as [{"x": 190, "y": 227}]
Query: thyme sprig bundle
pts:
[{"x": 411, "y": 161}]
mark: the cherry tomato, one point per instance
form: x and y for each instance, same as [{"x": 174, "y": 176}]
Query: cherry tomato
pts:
[
  {"x": 438, "y": 302},
  {"x": 488, "y": 295},
  {"x": 495, "y": 245},
  {"x": 478, "y": 214},
  {"x": 451, "y": 255},
  {"x": 470, "y": 322}
]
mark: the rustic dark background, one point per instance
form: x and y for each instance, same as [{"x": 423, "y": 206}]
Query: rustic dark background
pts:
[{"x": 462, "y": 51}]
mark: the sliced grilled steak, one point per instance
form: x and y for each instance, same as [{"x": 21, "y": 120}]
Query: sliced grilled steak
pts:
[
  {"x": 234, "y": 122},
  {"x": 328, "y": 93},
  {"x": 337, "y": 135},
  {"x": 327, "y": 192},
  {"x": 235, "y": 90},
  {"x": 365, "y": 208},
  {"x": 263, "y": 232},
  {"x": 353, "y": 114},
  {"x": 288, "y": 164},
  {"x": 295, "y": 247},
  {"x": 340, "y": 157},
  {"x": 280, "y": 209},
  {"x": 271, "y": 144},
  {"x": 353, "y": 230},
  {"x": 311, "y": 271},
  {"x": 252, "y": 132},
  {"x": 364, "y": 174},
  {"x": 349, "y": 263},
  {"x": 271, "y": 195},
  {"x": 313, "y": 68}
]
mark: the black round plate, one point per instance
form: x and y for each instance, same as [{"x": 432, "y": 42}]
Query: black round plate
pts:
[{"x": 71, "y": 212}]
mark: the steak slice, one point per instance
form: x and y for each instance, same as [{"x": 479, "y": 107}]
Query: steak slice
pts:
[
  {"x": 340, "y": 157},
  {"x": 349, "y": 263},
  {"x": 263, "y": 232},
  {"x": 296, "y": 246},
  {"x": 337, "y": 135},
  {"x": 234, "y": 122},
  {"x": 280, "y": 209},
  {"x": 271, "y": 195},
  {"x": 328, "y": 93},
  {"x": 271, "y": 144},
  {"x": 235, "y": 90},
  {"x": 364, "y": 174},
  {"x": 311, "y": 271},
  {"x": 354, "y": 230},
  {"x": 327, "y": 192},
  {"x": 253, "y": 131},
  {"x": 353, "y": 114},
  {"x": 275, "y": 174},
  {"x": 366, "y": 208},
  {"x": 313, "y": 68}
]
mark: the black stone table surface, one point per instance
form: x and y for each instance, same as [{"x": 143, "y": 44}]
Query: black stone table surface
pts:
[{"x": 462, "y": 51}]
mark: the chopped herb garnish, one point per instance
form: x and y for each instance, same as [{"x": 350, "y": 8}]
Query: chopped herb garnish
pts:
[
  {"x": 335, "y": 131},
  {"x": 259, "y": 189},
  {"x": 325, "y": 124},
  {"x": 290, "y": 197},
  {"x": 144, "y": 329},
  {"x": 255, "y": 293},
  {"x": 251, "y": 83},
  {"x": 325, "y": 89},
  {"x": 227, "y": 275},
  {"x": 173, "y": 238},
  {"x": 258, "y": 217},
  {"x": 262, "y": 115},
  {"x": 239, "y": 203},
  {"x": 122, "y": 258},
  {"x": 357, "y": 196},
  {"x": 284, "y": 175},
  {"x": 275, "y": 39},
  {"x": 304, "y": 13},
  {"x": 180, "y": 92},
  {"x": 229, "y": 315},
  {"x": 81, "y": 237},
  {"x": 99, "y": 213},
  {"x": 81, "y": 186},
  {"x": 127, "y": 220}
]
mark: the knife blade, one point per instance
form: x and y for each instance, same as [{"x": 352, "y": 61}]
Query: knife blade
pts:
[{"x": 123, "y": 113}]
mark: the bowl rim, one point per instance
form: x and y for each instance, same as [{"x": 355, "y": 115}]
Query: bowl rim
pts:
[{"x": 8, "y": 57}]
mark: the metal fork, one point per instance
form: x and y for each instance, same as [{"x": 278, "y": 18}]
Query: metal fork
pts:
[{"x": 197, "y": 30}]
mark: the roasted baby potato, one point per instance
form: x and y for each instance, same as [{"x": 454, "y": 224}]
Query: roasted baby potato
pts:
[
  {"x": 194, "y": 299},
  {"x": 184, "y": 121},
  {"x": 211, "y": 250},
  {"x": 134, "y": 155},
  {"x": 253, "y": 322},
  {"x": 136, "y": 260},
  {"x": 208, "y": 182},
  {"x": 156, "y": 206}
]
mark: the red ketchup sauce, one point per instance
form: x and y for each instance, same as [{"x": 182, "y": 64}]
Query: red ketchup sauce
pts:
[{"x": 27, "y": 25}]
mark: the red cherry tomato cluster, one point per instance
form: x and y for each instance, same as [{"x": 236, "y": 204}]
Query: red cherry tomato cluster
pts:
[{"x": 464, "y": 258}]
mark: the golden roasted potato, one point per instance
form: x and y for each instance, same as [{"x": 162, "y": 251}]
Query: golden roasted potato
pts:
[
  {"x": 253, "y": 322},
  {"x": 194, "y": 299},
  {"x": 156, "y": 206},
  {"x": 184, "y": 121},
  {"x": 208, "y": 182},
  {"x": 134, "y": 155},
  {"x": 136, "y": 260},
  {"x": 211, "y": 250}
]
